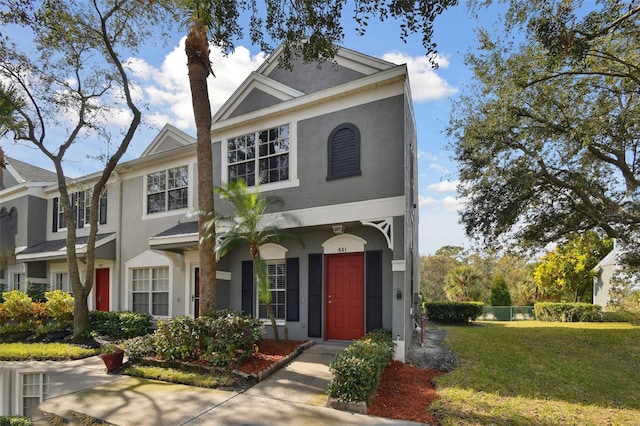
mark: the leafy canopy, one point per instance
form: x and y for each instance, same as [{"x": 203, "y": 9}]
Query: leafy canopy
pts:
[{"x": 547, "y": 139}]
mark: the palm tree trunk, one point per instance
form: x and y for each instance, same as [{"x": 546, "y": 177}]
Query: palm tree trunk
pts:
[
  {"x": 272, "y": 317},
  {"x": 197, "y": 49}
]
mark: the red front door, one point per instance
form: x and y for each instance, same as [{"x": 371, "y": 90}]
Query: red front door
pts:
[
  {"x": 345, "y": 296},
  {"x": 196, "y": 294},
  {"x": 102, "y": 289}
]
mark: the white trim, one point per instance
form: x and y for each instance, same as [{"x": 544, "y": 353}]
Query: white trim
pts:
[
  {"x": 20, "y": 391},
  {"x": 271, "y": 251},
  {"x": 147, "y": 259},
  {"x": 346, "y": 212},
  {"x": 174, "y": 239},
  {"x": 385, "y": 226},
  {"x": 180, "y": 136},
  {"x": 398, "y": 265},
  {"x": 344, "y": 243}
]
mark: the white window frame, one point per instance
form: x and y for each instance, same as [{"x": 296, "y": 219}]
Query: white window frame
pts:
[
  {"x": 42, "y": 388},
  {"x": 151, "y": 279},
  {"x": 273, "y": 254},
  {"x": 61, "y": 281},
  {"x": 274, "y": 291},
  {"x": 21, "y": 280},
  {"x": 293, "y": 153},
  {"x": 167, "y": 189}
]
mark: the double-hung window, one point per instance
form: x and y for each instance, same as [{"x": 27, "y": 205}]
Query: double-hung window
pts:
[
  {"x": 61, "y": 282},
  {"x": 150, "y": 290},
  {"x": 260, "y": 157},
  {"x": 80, "y": 209},
  {"x": 33, "y": 389},
  {"x": 168, "y": 190},
  {"x": 277, "y": 274}
]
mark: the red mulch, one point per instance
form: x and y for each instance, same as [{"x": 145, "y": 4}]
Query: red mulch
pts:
[
  {"x": 405, "y": 393},
  {"x": 269, "y": 352}
]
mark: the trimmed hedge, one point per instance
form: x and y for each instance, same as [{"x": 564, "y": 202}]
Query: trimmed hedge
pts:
[
  {"x": 357, "y": 369},
  {"x": 15, "y": 421},
  {"x": 454, "y": 312},
  {"x": 567, "y": 312},
  {"x": 120, "y": 325}
]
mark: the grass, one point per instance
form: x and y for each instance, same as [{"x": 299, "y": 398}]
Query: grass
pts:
[
  {"x": 219, "y": 379},
  {"x": 43, "y": 351},
  {"x": 539, "y": 373}
]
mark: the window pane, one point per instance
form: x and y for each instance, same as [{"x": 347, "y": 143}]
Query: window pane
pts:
[
  {"x": 178, "y": 177},
  {"x": 160, "y": 279},
  {"x": 156, "y": 182},
  {"x": 141, "y": 302},
  {"x": 155, "y": 202},
  {"x": 178, "y": 199},
  {"x": 160, "y": 304}
]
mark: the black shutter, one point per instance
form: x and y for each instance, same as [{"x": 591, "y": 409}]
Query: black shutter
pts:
[
  {"x": 315, "y": 295},
  {"x": 293, "y": 289},
  {"x": 55, "y": 214},
  {"x": 374, "y": 290},
  {"x": 247, "y": 287},
  {"x": 344, "y": 151},
  {"x": 74, "y": 209},
  {"x": 102, "y": 211},
  {"x": 80, "y": 218}
]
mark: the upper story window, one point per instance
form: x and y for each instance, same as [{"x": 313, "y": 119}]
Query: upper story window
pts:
[
  {"x": 260, "y": 157},
  {"x": 80, "y": 209},
  {"x": 168, "y": 190},
  {"x": 343, "y": 152}
]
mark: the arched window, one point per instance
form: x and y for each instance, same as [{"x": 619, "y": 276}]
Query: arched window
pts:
[{"x": 344, "y": 152}]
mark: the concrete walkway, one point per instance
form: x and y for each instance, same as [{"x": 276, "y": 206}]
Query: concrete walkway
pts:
[{"x": 295, "y": 394}]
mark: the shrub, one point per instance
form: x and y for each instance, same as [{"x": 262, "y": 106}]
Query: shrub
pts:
[
  {"x": 500, "y": 295},
  {"x": 221, "y": 339},
  {"x": 567, "y": 312},
  {"x": 357, "y": 369},
  {"x": 36, "y": 291},
  {"x": 454, "y": 312},
  {"x": 17, "y": 305},
  {"x": 59, "y": 306},
  {"x": 15, "y": 421},
  {"x": 621, "y": 316},
  {"x": 139, "y": 347},
  {"x": 120, "y": 325}
]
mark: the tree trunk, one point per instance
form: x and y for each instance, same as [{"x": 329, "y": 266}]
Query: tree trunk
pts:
[
  {"x": 197, "y": 50},
  {"x": 272, "y": 317}
]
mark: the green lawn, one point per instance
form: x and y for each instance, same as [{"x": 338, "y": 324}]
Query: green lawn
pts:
[
  {"x": 43, "y": 351},
  {"x": 537, "y": 373}
]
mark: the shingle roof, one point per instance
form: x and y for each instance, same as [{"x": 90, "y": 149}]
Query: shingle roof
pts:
[
  {"x": 55, "y": 245},
  {"x": 32, "y": 173},
  {"x": 185, "y": 228}
]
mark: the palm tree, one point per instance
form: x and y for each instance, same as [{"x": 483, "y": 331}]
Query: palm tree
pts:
[
  {"x": 197, "y": 50},
  {"x": 462, "y": 284},
  {"x": 248, "y": 226}
]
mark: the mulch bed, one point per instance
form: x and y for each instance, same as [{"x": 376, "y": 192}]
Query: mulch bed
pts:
[
  {"x": 269, "y": 353},
  {"x": 405, "y": 393}
]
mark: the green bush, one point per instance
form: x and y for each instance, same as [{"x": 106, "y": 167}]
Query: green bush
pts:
[
  {"x": 36, "y": 291},
  {"x": 357, "y": 369},
  {"x": 15, "y": 421},
  {"x": 220, "y": 340},
  {"x": 453, "y": 312},
  {"x": 120, "y": 325},
  {"x": 139, "y": 347},
  {"x": 59, "y": 306},
  {"x": 621, "y": 316},
  {"x": 17, "y": 305},
  {"x": 567, "y": 312}
]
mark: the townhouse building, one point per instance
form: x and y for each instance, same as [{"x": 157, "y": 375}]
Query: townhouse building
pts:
[{"x": 337, "y": 143}]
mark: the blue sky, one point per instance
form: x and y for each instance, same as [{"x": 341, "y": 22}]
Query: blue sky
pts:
[{"x": 162, "y": 86}]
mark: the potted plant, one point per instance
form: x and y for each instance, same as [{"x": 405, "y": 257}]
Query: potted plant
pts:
[{"x": 112, "y": 356}]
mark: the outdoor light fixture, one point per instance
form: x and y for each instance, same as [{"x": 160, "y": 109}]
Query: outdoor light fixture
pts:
[{"x": 338, "y": 229}]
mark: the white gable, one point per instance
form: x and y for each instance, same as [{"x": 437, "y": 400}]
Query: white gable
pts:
[{"x": 169, "y": 137}]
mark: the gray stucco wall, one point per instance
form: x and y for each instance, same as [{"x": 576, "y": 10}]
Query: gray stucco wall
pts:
[
  {"x": 328, "y": 75},
  {"x": 256, "y": 100},
  {"x": 382, "y": 160}
]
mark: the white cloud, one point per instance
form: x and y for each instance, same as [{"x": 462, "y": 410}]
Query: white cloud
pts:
[
  {"x": 425, "y": 83},
  {"x": 444, "y": 186},
  {"x": 166, "y": 88},
  {"x": 452, "y": 204},
  {"x": 426, "y": 201},
  {"x": 439, "y": 168}
]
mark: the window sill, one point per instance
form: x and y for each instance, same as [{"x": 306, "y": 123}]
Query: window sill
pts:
[{"x": 267, "y": 322}]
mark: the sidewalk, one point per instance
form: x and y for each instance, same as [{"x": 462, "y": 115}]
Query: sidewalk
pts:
[{"x": 296, "y": 394}]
